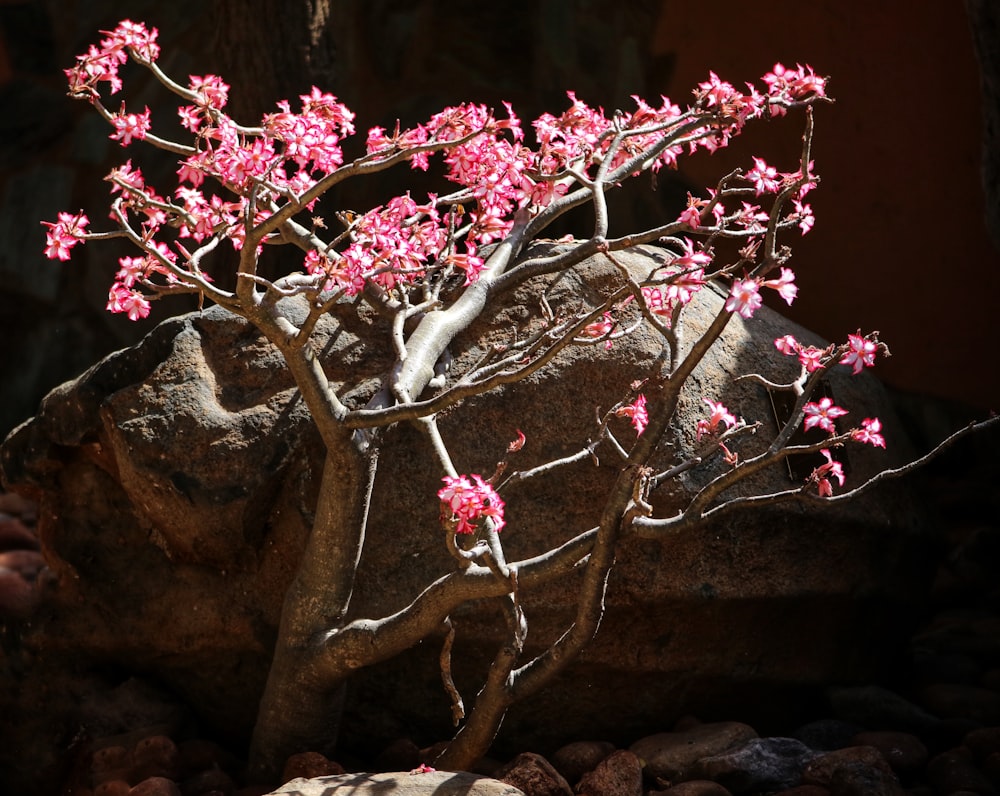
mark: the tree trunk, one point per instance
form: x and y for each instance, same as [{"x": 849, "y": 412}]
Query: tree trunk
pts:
[{"x": 300, "y": 707}]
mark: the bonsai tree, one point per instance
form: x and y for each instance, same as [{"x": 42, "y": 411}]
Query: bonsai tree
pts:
[{"x": 428, "y": 267}]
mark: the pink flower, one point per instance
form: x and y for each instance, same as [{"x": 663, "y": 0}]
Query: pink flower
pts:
[
  {"x": 600, "y": 328},
  {"x": 123, "y": 299},
  {"x": 691, "y": 258},
  {"x": 64, "y": 235},
  {"x": 861, "y": 352},
  {"x": 212, "y": 90},
  {"x": 130, "y": 125},
  {"x": 812, "y": 357},
  {"x": 804, "y": 214},
  {"x": 822, "y": 414},
  {"x": 744, "y": 298},
  {"x": 719, "y": 415},
  {"x": 637, "y": 413},
  {"x": 787, "y": 345},
  {"x": 466, "y": 502},
  {"x": 764, "y": 177},
  {"x": 869, "y": 432},
  {"x": 785, "y": 285},
  {"x": 821, "y": 475}
]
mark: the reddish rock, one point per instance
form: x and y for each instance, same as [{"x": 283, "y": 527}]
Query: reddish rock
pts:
[
  {"x": 110, "y": 763},
  {"x": 155, "y": 757},
  {"x": 533, "y": 774},
  {"x": 27, "y": 563},
  {"x": 114, "y": 787},
  {"x": 15, "y": 535},
  {"x": 575, "y": 759},
  {"x": 906, "y": 753},
  {"x": 670, "y": 756},
  {"x": 309, "y": 765},
  {"x": 204, "y": 388},
  {"x": 855, "y": 771},
  {"x": 619, "y": 774},
  {"x": 156, "y": 786}
]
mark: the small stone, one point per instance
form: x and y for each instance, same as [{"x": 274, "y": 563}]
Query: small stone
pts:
[
  {"x": 906, "y": 753},
  {"x": 532, "y": 773},
  {"x": 954, "y": 771},
  {"x": 806, "y": 790},
  {"x": 762, "y": 764},
  {"x": 855, "y": 771},
  {"x": 110, "y": 763},
  {"x": 670, "y": 756},
  {"x": 619, "y": 774},
  {"x": 575, "y": 759},
  {"x": 958, "y": 701},
  {"x": 15, "y": 535},
  {"x": 156, "y": 786},
  {"x": 155, "y": 756},
  {"x": 27, "y": 563},
  {"x": 694, "y": 787},
  {"x": 309, "y": 765}
]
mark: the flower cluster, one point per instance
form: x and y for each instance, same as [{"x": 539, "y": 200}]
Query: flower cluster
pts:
[
  {"x": 465, "y": 502},
  {"x": 64, "y": 234},
  {"x": 859, "y": 352}
]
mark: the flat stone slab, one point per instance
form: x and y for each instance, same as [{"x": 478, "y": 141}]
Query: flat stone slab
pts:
[{"x": 399, "y": 783}]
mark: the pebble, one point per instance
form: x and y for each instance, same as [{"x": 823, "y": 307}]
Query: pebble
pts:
[
  {"x": 854, "y": 771},
  {"x": 575, "y": 759},
  {"x": 761, "y": 764},
  {"x": 670, "y": 756},
  {"x": 156, "y": 786},
  {"x": 533, "y": 774},
  {"x": 619, "y": 774},
  {"x": 308, "y": 765},
  {"x": 905, "y": 752}
]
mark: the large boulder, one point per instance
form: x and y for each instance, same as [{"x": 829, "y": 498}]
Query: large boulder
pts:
[{"x": 176, "y": 482}]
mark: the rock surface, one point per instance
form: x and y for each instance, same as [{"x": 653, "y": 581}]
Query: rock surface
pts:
[
  {"x": 438, "y": 783},
  {"x": 175, "y": 482}
]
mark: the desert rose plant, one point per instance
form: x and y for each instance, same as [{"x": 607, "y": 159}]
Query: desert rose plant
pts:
[{"x": 428, "y": 267}]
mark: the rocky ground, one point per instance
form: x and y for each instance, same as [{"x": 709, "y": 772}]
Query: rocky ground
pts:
[{"x": 931, "y": 728}]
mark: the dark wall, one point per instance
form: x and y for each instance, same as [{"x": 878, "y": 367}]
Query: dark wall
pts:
[{"x": 900, "y": 243}]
